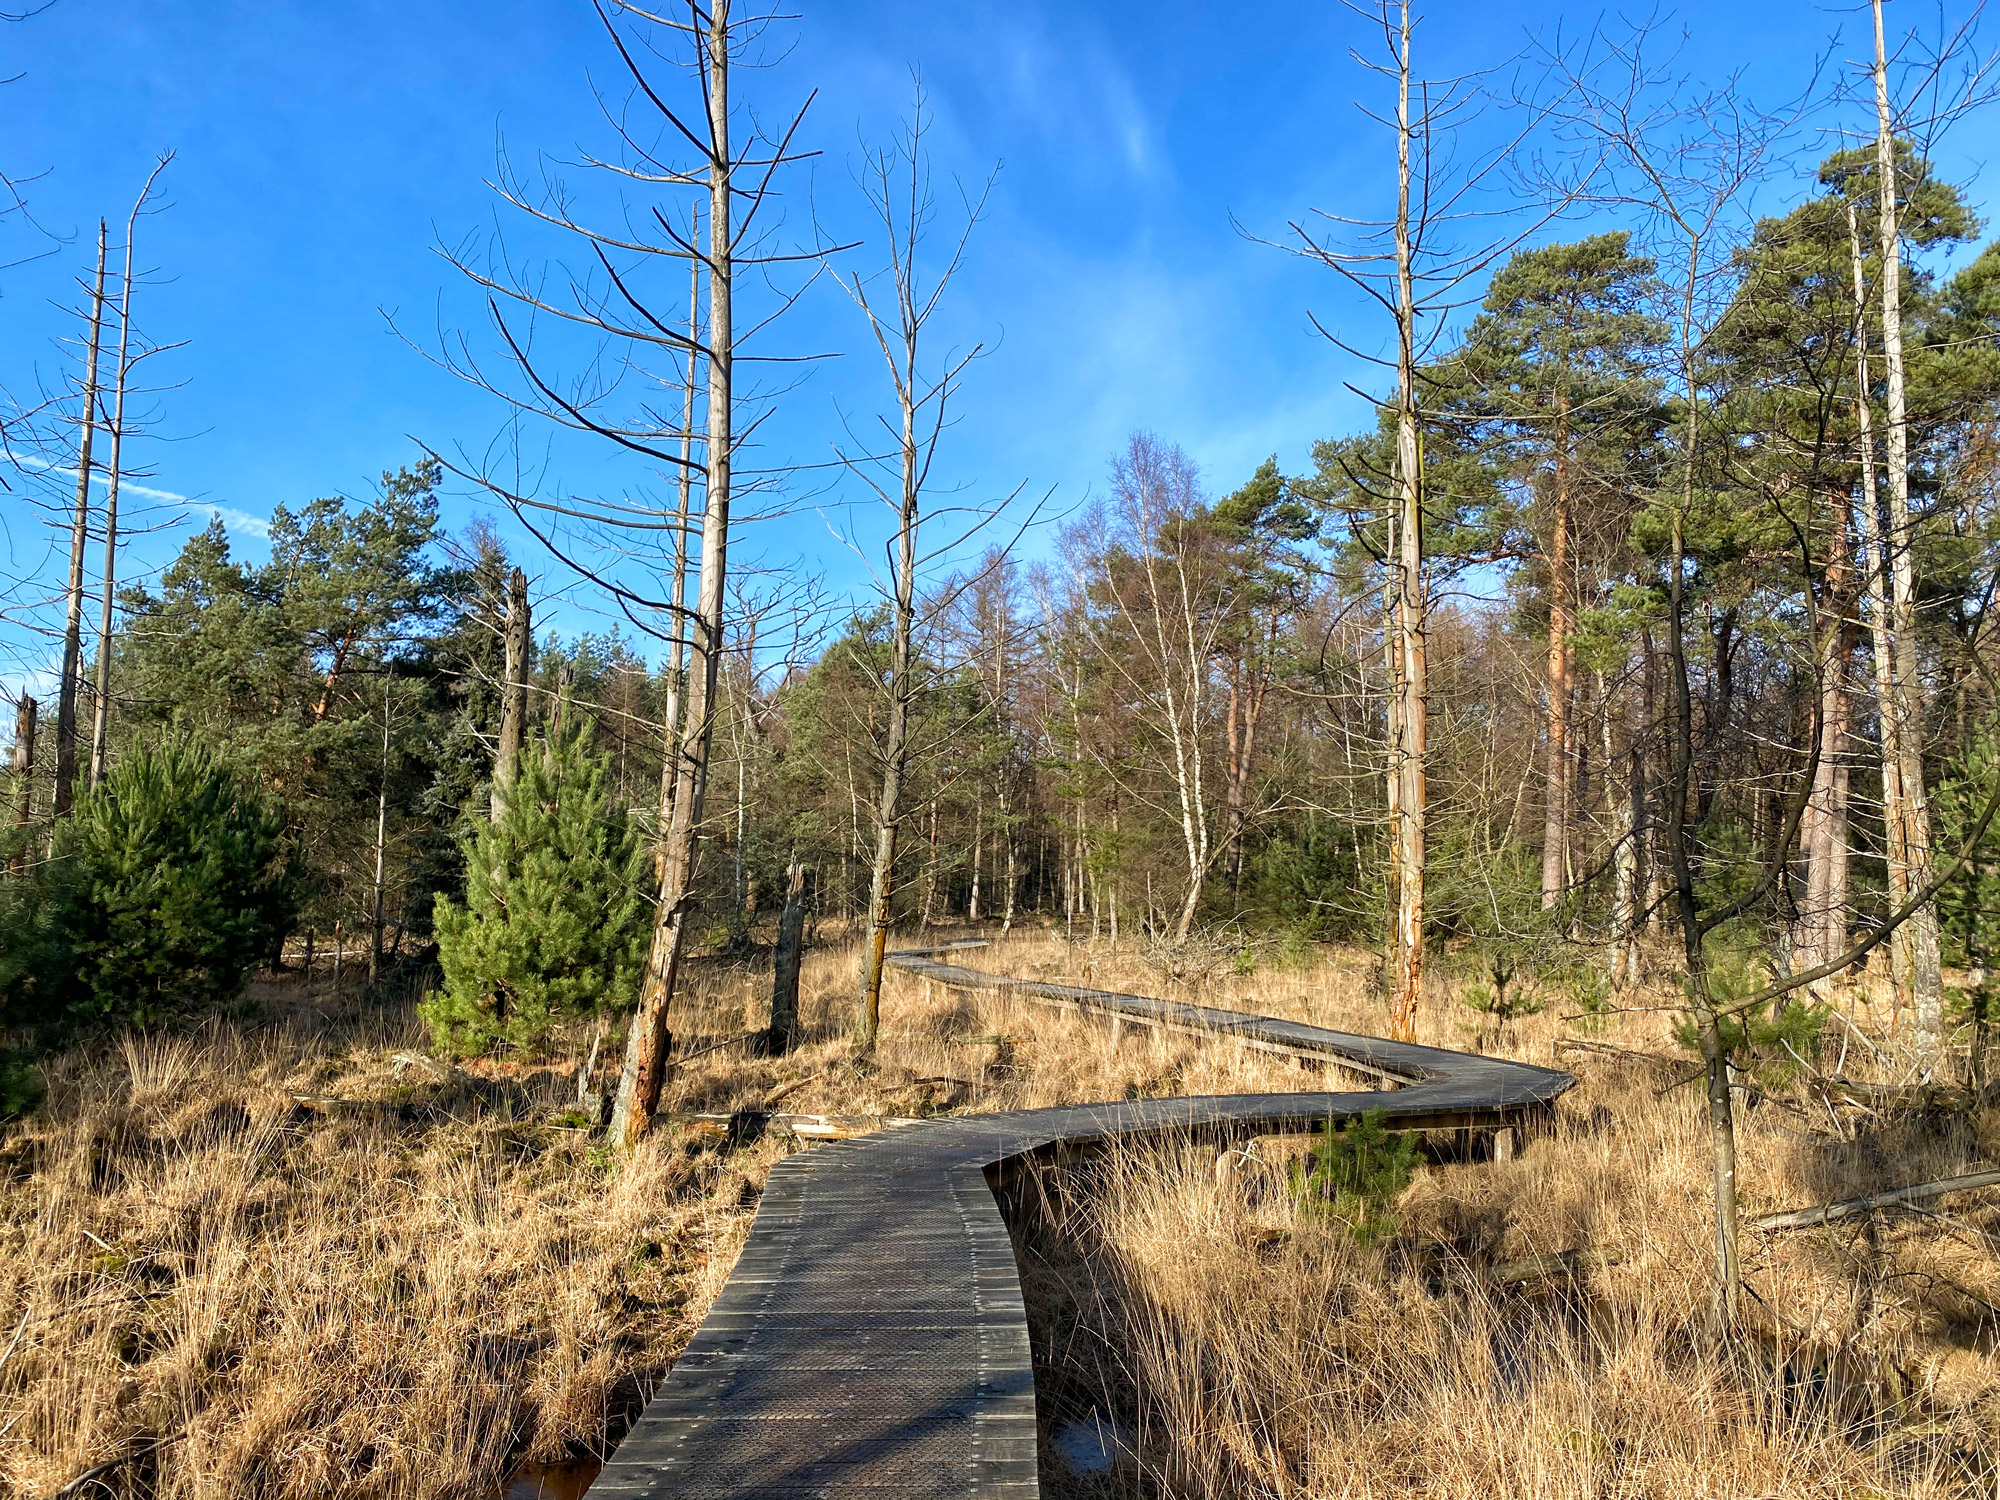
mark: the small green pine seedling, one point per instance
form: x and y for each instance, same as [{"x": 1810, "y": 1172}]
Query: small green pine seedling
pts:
[
  {"x": 1770, "y": 1041},
  {"x": 1499, "y": 1001},
  {"x": 1357, "y": 1173}
]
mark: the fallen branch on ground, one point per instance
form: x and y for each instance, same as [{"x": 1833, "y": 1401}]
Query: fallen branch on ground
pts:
[
  {"x": 728, "y": 1041},
  {"x": 1655, "y": 1059},
  {"x": 1844, "y": 1208}
]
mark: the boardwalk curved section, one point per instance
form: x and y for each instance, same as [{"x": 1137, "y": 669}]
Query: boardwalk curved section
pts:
[{"x": 871, "y": 1342}]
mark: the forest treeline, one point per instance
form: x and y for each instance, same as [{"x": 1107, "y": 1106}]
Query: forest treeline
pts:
[{"x": 1174, "y": 720}]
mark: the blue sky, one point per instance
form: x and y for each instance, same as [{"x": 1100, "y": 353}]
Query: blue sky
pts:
[{"x": 326, "y": 148}]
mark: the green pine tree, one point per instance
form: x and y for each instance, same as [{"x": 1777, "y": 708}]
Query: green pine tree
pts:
[
  {"x": 167, "y": 884},
  {"x": 555, "y": 921}
]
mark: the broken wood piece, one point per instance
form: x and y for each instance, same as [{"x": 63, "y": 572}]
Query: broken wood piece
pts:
[
  {"x": 1844, "y": 1208},
  {"x": 1652, "y": 1059},
  {"x": 772, "y": 1099},
  {"x": 728, "y": 1041},
  {"x": 805, "y": 1127},
  {"x": 1547, "y": 1267}
]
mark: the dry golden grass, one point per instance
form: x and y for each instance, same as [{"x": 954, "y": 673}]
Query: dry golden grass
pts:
[
  {"x": 1243, "y": 1346},
  {"x": 243, "y": 1297}
]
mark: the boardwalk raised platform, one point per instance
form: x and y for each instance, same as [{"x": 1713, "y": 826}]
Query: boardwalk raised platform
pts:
[{"x": 871, "y": 1342}]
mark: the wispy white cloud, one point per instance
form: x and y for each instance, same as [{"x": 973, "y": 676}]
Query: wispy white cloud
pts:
[
  {"x": 125, "y": 486},
  {"x": 234, "y": 519},
  {"x": 237, "y": 520}
]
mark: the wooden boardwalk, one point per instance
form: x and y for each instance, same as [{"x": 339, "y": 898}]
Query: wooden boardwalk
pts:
[{"x": 871, "y": 1342}]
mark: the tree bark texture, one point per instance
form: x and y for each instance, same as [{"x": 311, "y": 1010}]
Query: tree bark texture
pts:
[
  {"x": 784, "y": 1032},
  {"x": 1926, "y": 978},
  {"x": 514, "y": 691},
  {"x": 100, "y": 714},
  {"x": 1555, "y": 816},
  {"x": 1882, "y": 634},
  {"x": 1410, "y": 602},
  {"x": 1823, "y": 840}
]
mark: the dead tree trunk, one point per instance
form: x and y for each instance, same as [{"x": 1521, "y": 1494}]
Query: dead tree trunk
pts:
[
  {"x": 922, "y": 397},
  {"x": 1392, "y": 673},
  {"x": 644, "y": 1072},
  {"x": 1926, "y": 981},
  {"x": 931, "y": 874},
  {"x": 1004, "y": 787},
  {"x": 1622, "y": 806},
  {"x": 1882, "y": 633},
  {"x": 677, "y": 622},
  {"x": 895, "y": 738},
  {"x": 1410, "y": 600},
  {"x": 100, "y": 716},
  {"x": 784, "y": 1031},
  {"x": 24, "y": 775},
  {"x": 381, "y": 838},
  {"x": 72, "y": 662},
  {"x": 1249, "y": 686},
  {"x": 100, "y": 722},
  {"x": 978, "y": 854},
  {"x": 1555, "y": 816},
  {"x": 514, "y": 691},
  {"x": 1822, "y": 928}
]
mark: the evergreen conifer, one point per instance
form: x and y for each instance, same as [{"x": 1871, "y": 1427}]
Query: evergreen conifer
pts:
[
  {"x": 168, "y": 882},
  {"x": 554, "y": 922}
]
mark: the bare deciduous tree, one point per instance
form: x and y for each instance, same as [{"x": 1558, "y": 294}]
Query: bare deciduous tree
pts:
[
  {"x": 896, "y": 180},
  {"x": 634, "y": 347},
  {"x": 1685, "y": 163}
]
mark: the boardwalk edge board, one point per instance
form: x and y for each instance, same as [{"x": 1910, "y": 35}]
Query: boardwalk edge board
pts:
[{"x": 871, "y": 1341}]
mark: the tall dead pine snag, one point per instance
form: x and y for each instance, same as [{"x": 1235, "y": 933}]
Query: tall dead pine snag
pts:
[
  {"x": 664, "y": 148},
  {"x": 100, "y": 721},
  {"x": 72, "y": 662},
  {"x": 1918, "y": 938}
]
